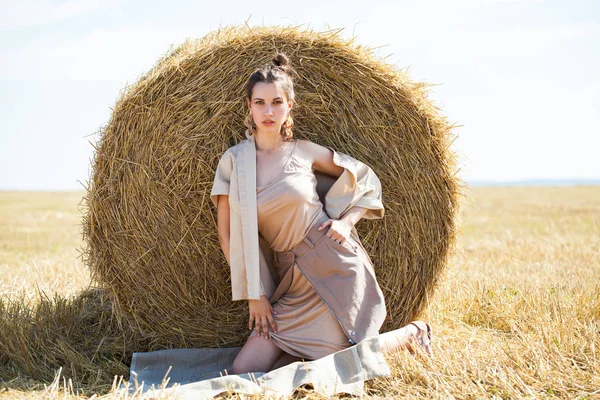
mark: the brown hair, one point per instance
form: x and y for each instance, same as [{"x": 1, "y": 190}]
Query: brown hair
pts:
[{"x": 278, "y": 72}]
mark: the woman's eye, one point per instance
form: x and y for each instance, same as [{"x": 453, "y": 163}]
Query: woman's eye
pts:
[{"x": 262, "y": 102}]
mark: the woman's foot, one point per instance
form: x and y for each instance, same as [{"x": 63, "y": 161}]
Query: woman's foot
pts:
[{"x": 422, "y": 337}]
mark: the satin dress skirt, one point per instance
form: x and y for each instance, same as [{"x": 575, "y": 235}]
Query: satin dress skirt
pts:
[{"x": 306, "y": 327}]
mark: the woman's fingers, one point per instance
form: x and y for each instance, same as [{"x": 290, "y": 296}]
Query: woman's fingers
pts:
[
  {"x": 272, "y": 323},
  {"x": 325, "y": 224},
  {"x": 255, "y": 320},
  {"x": 337, "y": 230},
  {"x": 263, "y": 322},
  {"x": 331, "y": 233},
  {"x": 265, "y": 329},
  {"x": 336, "y": 236}
]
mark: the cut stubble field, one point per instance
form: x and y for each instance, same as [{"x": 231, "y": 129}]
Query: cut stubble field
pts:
[{"x": 517, "y": 313}]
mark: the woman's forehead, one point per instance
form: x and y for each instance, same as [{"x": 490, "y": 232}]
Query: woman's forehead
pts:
[{"x": 267, "y": 90}]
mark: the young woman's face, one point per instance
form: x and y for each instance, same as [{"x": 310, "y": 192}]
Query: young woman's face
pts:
[{"x": 269, "y": 107}]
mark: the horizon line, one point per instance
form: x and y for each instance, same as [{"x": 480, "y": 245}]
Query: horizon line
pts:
[{"x": 536, "y": 182}]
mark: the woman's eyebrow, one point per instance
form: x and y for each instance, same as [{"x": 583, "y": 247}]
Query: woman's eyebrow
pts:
[{"x": 276, "y": 98}]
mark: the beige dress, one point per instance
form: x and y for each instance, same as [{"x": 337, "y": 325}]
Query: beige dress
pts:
[{"x": 288, "y": 207}]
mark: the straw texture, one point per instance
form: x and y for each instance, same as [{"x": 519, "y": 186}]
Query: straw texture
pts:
[{"x": 149, "y": 224}]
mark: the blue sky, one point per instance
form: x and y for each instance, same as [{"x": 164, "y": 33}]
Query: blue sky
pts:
[{"x": 521, "y": 77}]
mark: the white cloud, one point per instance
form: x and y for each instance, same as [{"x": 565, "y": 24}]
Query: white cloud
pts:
[
  {"x": 24, "y": 14},
  {"x": 101, "y": 55}
]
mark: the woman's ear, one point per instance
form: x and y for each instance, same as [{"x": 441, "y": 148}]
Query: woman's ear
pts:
[{"x": 248, "y": 102}]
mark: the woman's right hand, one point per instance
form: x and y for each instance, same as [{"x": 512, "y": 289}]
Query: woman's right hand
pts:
[{"x": 261, "y": 315}]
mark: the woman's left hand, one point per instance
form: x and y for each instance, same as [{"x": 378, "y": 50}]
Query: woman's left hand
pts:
[{"x": 339, "y": 229}]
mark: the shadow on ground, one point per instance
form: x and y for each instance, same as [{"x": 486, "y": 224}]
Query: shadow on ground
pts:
[{"x": 83, "y": 335}]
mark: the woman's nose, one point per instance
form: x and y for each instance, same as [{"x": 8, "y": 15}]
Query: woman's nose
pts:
[{"x": 268, "y": 110}]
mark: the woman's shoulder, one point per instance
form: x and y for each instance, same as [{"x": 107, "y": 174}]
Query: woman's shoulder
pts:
[
  {"x": 305, "y": 151},
  {"x": 312, "y": 148},
  {"x": 313, "y": 151},
  {"x": 307, "y": 144}
]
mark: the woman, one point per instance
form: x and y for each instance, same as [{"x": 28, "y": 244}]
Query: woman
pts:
[{"x": 325, "y": 296}]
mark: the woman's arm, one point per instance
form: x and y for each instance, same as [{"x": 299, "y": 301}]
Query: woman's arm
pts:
[
  {"x": 260, "y": 310},
  {"x": 223, "y": 225},
  {"x": 340, "y": 228},
  {"x": 322, "y": 160},
  {"x": 354, "y": 215}
]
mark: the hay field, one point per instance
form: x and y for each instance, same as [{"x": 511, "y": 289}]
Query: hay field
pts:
[{"x": 517, "y": 314}]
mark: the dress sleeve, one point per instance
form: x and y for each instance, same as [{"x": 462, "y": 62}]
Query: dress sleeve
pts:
[
  {"x": 357, "y": 186},
  {"x": 222, "y": 177},
  {"x": 370, "y": 194}
]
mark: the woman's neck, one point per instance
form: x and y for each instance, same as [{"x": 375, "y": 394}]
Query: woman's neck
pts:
[{"x": 268, "y": 142}]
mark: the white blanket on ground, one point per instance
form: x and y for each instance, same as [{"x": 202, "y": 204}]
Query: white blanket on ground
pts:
[{"x": 196, "y": 373}]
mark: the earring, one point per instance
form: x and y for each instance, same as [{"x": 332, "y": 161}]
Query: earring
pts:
[{"x": 286, "y": 128}]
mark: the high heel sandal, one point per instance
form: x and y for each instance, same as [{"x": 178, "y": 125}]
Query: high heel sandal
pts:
[{"x": 423, "y": 336}]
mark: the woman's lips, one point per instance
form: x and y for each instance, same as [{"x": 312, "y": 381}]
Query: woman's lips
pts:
[{"x": 268, "y": 123}]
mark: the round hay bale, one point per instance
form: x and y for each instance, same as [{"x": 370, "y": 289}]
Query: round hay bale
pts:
[{"x": 150, "y": 226}]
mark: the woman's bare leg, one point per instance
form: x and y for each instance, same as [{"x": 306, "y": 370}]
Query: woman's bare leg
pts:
[
  {"x": 285, "y": 359},
  {"x": 397, "y": 339},
  {"x": 405, "y": 338},
  {"x": 257, "y": 355}
]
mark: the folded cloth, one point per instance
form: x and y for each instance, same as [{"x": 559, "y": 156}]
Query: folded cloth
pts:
[{"x": 200, "y": 373}]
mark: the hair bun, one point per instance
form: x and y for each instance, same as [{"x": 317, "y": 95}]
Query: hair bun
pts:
[{"x": 281, "y": 60}]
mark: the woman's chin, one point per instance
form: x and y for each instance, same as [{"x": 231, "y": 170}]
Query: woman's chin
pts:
[{"x": 269, "y": 128}]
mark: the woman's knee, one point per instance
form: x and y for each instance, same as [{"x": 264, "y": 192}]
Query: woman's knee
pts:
[
  {"x": 257, "y": 355},
  {"x": 239, "y": 365}
]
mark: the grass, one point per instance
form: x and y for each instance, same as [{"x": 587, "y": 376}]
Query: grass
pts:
[
  {"x": 39, "y": 238},
  {"x": 516, "y": 316}
]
